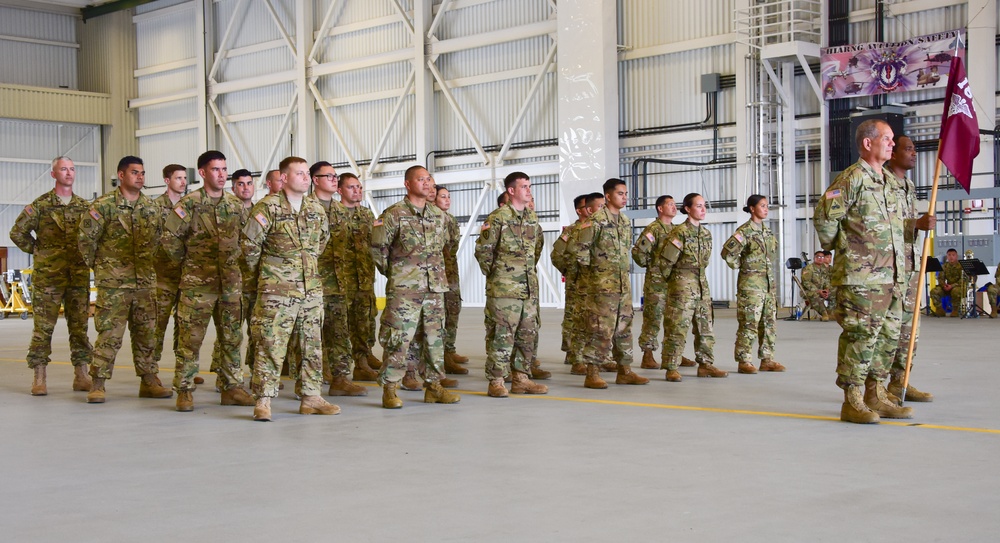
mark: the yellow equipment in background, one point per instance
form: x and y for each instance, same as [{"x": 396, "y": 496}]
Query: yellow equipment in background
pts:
[{"x": 15, "y": 285}]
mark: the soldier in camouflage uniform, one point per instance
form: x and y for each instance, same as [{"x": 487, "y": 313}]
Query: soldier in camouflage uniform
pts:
[
  {"x": 904, "y": 157},
  {"x": 282, "y": 242},
  {"x": 859, "y": 217},
  {"x": 647, "y": 253},
  {"x": 951, "y": 282},
  {"x": 48, "y": 228},
  {"x": 452, "y": 298},
  {"x": 602, "y": 251},
  {"x": 202, "y": 233},
  {"x": 816, "y": 285},
  {"x": 408, "y": 248},
  {"x": 509, "y": 245},
  {"x": 689, "y": 302},
  {"x": 168, "y": 272},
  {"x": 565, "y": 261},
  {"x": 118, "y": 238},
  {"x": 751, "y": 249}
]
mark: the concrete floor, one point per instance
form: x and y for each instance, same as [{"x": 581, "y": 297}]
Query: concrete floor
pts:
[{"x": 747, "y": 458}]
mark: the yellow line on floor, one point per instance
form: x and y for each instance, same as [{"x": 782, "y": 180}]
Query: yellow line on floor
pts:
[{"x": 675, "y": 407}]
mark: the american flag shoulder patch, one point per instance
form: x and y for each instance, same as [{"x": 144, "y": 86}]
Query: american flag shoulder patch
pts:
[
  {"x": 261, "y": 219},
  {"x": 830, "y": 194},
  {"x": 486, "y": 226},
  {"x": 28, "y": 209},
  {"x": 378, "y": 222},
  {"x": 738, "y": 236},
  {"x": 650, "y": 236},
  {"x": 95, "y": 214},
  {"x": 180, "y": 212},
  {"x": 677, "y": 243}
]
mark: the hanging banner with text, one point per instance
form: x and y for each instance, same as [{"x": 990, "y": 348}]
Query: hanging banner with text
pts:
[{"x": 867, "y": 69}]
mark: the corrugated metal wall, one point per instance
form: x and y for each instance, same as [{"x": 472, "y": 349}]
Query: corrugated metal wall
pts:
[{"x": 48, "y": 59}]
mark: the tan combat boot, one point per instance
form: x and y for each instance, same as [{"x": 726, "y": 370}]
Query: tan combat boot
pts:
[
  {"x": 262, "y": 410},
  {"x": 912, "y": 394},
  {"x": 771, "y": 364},
  {"x": 373, "y": 362},
  {"x": 185, "y": 401},
  {"x": 854, "y": 408},
  {"x": 746, "y": 367},
  {"x": 316, "y": 405},
  {"x": 593, "y": 379},
  {"x": 236, "y": 395},
  {"x": 673, "y": 376},
  {"x": 361, "y": 370},
  {"x": 81, "y": 381},
  {"x": 38, "y": 387},
  {"x": 993, "y": 311},
  {"x": 687, "y": 362},
  {"x": 389, "y": 398},
  {"x": 709, "y": 370},
  {"x": 877, "y": 401},
  {"x": 825, "y": 317},
  {"x": 648, "y": 361},
  {"x": 410, "y": 381},
  {"x": 151, "y": 387},
  {"x": 497, "y": 390},
  {"x": 96, "y": 394},
  {"x": 327, "y": 374},
  {"x": 537, "y": 372},
  {"x": 435, "y": 393},
  {"x": 609, "y": 366},
  {"x": 628, "y": 377},
  {"x": 342, "y": 385},
  {"x": 523, "y": 385},
  {"x": 447, "y": 382},
  {"x": 199, "y": 380},
  {"x": 578, "y": 369},
  {"x": 459, "y": 358},
  {"x": 452, "y": 367}
]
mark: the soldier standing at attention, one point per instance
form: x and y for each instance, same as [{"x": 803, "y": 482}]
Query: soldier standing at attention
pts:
[
  {"x": 751, "y": 249},
  {"x": 602, "y": 252},
  {"x": 168, "y": 272},
  {"x": 273, "y": 182},
  {"x": 859, "y": 217},
  {"x": 507, "y": 250},
  {"x": 202, "y": 233},
  {"x": 689, "y": 302},
  {"x": 452, "y": 298},
  {"x": 118, "y": 237},
  {"x": 48, "y": 228},
  {"x": 564, "y": 261},
  {"x": 951, "y": 282},
  {"x": 904, "y": 157},
  {"x": 408, "y": 248},
  {"x": 282, "y": 242}
]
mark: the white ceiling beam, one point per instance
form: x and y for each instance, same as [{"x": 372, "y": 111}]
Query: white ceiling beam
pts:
[
  {"x": 165, "y": 67},
  {"x": 340, "y": 66},
  {"x": 407, "y": 87},
  {"x": 442, "y": 9},
  {"x": 333, "y": 126},
  {"x": 226, "y": 36},
  {"x": 484, "y": 39},
  {"x": 280, "y": 26},
  {"x": 225, "y": 133},
  {"x": 248, "y": 83},
  {"x": 679, "y": 47},
  {"x": 403, "y": 15},
  {"x": 250, "y": 49},
  {"x": 320, "y": 35},
  {"x": 53, "y": 43},
  {"x": 146, "y": 101},
  {"x": 166, "y": 129},
  {"x": 458, "y": 111},
  {"x": 528, "y": 100}
]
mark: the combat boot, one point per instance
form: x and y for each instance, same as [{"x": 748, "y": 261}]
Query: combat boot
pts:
[
  {"x": 854, "y": 408},
  {"x": 361, "y": 370},
  {"x": 327, "y": 374},
  {"x": 912, "y": 394},
  {"x": 709, "y": 370},
  {"x": 825, "y": 317},
  {"x": 673, "y": 376},
  {"x": 578, "y": 369},
  {"x": 537, "y": 372},
  {"x": 199, "y": 380},
  {"x": 523, "y": 385},
  {"x": 316, "y": 405},
  {"x": 940, "y": 312},
  {"x": 771, "y": 365},
  {"x": 410, "y": 381},
  {"x": 497, "y": 390},
  {"x": 747, "y": 368},
  {"x": 373, "y": 362},
  {"x": 236, "y": 395},
  {"x": 593, "y": 379},
  {"x": 185, "y": 401},
  {"x": 452, "y": 367},
  {"x": 389, "y": 398},
  {"x": 687, "y": 362},
  {"x": 609, "y": 366},
  {"x": 96, "y": 394},
  {"x": 448, "y": 383},
  {"x": 877, "y": 401},
  {"x": 648, "y": 361},
  {"x": 341, "y": 385},
  {"x": 81, "y": 381},
  {"x": 38, "y": 387},
  {"x": 628, "y": 377},
  {"x": 993, "y": 311},
  {"x": 151, "y": 387},
  {"x": 435, "y": 393},
  {"x": 262, "y": 410},
  {"x": 459, "y": 358}
]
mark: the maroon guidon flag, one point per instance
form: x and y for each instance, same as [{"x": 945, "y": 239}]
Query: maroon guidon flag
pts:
[{"x": 959, "y": 128}]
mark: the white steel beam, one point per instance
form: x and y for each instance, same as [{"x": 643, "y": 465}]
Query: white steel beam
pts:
[
  {"x": 543, "y": 28},
  {"x": 281, "y": 27},
  {"x": 402, "y": 15},
  {"x": 340, "y": 66},
  {"x": 458, "y": 111},
  {"x": 424, "y": 114},
  {"x": 333, "y": 126},
  {"x": 225, "y": 134},
  {"x": 169, "y": 10},
  {"x": 224, "y": 44},
  {"x": 305, "y": 122},
  {"x": 166, "y": 129},
  {"x": 324, "y": 28},
  {"x": 165, "y": 67},
  {"x": 253, "y": 48},
  {"x": 442, "y": 9},
  {"x": 53, "y": 43},
  {"x": 280, "y": 135},
  {"x": 527, "y": 102},
  {"x": 680, "y": 47},
  {"x": 215, "y": 89},
  {"x": 206, "y": 137},
  {"x": 392, "y": 122},
  {"x": 488, "y": 187},
  {"x": 147, "y": 101}
]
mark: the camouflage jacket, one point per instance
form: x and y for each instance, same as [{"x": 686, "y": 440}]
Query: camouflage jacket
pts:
[
  {"x": 816, "y": 277},
  {"x": 451, "y": 252},
  {"x": 249, "y": 279},
  {"x": 648, "y": 252},
  {"x": 58, "y": 262},
  {"x": 332, "y": 261},
  {"x": 751, "y": 249},
  {"x": 205, "y": 238},
  {"x": 282, "y": 247},
  {"x": 859, "y": 218},
  {"x": 507, "y": 250},
  {"x": 118, "y": 239},
  {"x": 688, "y": 251},
  {"x": 355, "y": 223},
  {"x": 562, "y": 258},
  {"x": 601, "y": 249},
  {"x": 952, "y": 274},
  {"x": 168, "y": 271},
  {"x": 408, "y": 248},
  {"x": 908, "y": 201}
]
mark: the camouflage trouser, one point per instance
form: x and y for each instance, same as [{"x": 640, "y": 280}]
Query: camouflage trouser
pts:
[
  {"x": 407, "y": 315},
  {"x": 956, "y": 295},
  {"x": 685, "y": 314},
  {"x": 452, "y": 307},
  {"x": 166, "y": 303},
  {"x": 906, "y": 326},
  {"x": 818, "y": 303},
  {"x": 511, "y": 345},
  {"x": 117, "y": 307},
  {"x": 336, "y": 343},
  {"x": 654, "y": 301},
  {"x": 568, "y": 322},
  {"x": 195, "y": 307},
  {"x": 756, "y": 313},
  {"x": 573, "y": 335},
  {"x": 607, "y": 319},
  {"x": 870, "y": 318},
  {"x": 361, "y": 313},
  {"x": 45, "y": 306},
  {"x": 247, "y": 300},
  {"x": 278, "y": 323}
]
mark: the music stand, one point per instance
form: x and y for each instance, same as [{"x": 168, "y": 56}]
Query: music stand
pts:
[
  {"x": 933, "y": 266},
  {"x": 973, "y": 267}
]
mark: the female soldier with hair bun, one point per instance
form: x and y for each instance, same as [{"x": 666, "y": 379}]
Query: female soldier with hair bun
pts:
[
  {"x": 751, "y": 249},
  {"x": 687, "y": 251}
]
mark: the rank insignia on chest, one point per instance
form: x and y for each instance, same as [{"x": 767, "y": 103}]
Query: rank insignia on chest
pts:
[
  {"x": 261, "y": 219},
  {"x": 95, "y": 214},
  {"x": 650, "y": 236},
  {"x": 29, "y": 210},
  {"x": 180, "y": 212}
]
